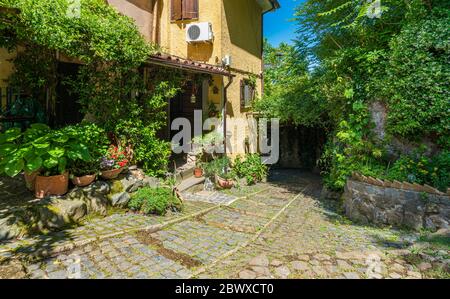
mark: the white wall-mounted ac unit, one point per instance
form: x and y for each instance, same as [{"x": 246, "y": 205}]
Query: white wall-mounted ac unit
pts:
[{"x": 199, "y": 32}]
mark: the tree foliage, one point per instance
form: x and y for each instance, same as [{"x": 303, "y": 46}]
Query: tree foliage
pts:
[
  {"x": 111, "y": 85},
  {"x": 398, "y": 55}
]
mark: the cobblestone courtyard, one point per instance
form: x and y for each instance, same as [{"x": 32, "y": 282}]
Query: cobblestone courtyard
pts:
[{"x": 280, "y": 229}]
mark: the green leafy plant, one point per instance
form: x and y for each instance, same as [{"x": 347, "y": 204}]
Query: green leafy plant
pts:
[
  {"x": 154, "y": 201},
  {"x": 207, "y": 144},
  {"x": 420, "y": 169},
  {"x": 251, "y": 168},
  {"x": 110, "y": 85},
  {"x": 40, "y": 149},
  {"x": 96, "y": 140},
  {"x": 220, "y": 167}
]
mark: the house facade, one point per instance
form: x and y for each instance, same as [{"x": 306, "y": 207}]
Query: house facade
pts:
[
  {"x": 231, "y": 53},
  {"x": 219, "y": 38}
]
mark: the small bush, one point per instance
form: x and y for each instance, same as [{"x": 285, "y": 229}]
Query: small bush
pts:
[
  {"x": 420, "y": 169},
  {"x": 220, "y": 167},
  {"x": 252, "y": 169},
  {"x": 154, "y": 201}
]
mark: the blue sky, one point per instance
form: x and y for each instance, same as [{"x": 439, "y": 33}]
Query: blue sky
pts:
[{"x": 277, "y": 27}]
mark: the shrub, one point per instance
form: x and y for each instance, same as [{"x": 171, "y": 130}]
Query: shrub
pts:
[
  {"x": 417, "y": 168},
  {"x": 149, "y": 151},
  {"x": 252, "y": 168},
  {"x": 41, "y": 149},
  {"x": 220, "y": 167},
  {"x": 154, "y": 201}
]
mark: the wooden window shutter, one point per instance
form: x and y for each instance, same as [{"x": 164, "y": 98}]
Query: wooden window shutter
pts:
[
  {"x": 242, "y": 94},
  {"x": 190, "y": 9},
  {"x": 176, "y": 10}
]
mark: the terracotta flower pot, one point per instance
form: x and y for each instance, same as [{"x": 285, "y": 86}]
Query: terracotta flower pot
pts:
[
  {"x": 111, "y": 174},
  {"x": 198, "y": 172},
  {"x": 51, "y": 185},
  {"x": 225, "y": 184},
  {"x": 30, "y": 179},
  {"x": 84, "y": 181}
]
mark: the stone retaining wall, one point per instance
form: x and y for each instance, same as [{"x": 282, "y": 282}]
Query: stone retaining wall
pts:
[{"x": 384, "y": 204}]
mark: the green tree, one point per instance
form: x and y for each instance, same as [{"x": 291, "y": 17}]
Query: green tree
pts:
[{"x": 399, "y": 57}]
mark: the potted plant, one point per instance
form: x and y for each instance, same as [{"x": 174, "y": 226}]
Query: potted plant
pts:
[
  {"x": 199, "y": 152},
  {"x": 83, "y": 174},
  {"x": 51, "y": 183},
  {"x": 225, "y": 180},
  {"x": 113, "y": 163},
  {"x": 44, "y": 155},
  {"x": 198, "y": 170},
  {"x": 212, "y": 110},
  {"x": 251, "y": 168},
  {"x": 219, "y": 170}
]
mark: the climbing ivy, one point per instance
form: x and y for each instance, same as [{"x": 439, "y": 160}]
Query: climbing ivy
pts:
[
  {"x": 344, "y": 59},
  {"x": 111, "y": 85}
]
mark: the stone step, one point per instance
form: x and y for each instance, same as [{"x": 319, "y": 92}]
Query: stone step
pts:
[
  {"x": 184, "y": 174},
  {"x": 189, "y": 183}
]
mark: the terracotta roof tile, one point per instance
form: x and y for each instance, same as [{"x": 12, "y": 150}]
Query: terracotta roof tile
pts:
[{"x": 175, "y": 61}]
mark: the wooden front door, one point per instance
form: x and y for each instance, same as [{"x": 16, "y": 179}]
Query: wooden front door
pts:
[{"x": 182, "y": 107}]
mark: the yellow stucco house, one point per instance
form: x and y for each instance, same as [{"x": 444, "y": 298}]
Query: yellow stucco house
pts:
[
  {"x": 221, "y": 38},
  {"x": 218, "y": 37}
]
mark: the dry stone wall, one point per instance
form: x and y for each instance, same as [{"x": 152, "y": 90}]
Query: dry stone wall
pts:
[{"x": 372, "y": 201}]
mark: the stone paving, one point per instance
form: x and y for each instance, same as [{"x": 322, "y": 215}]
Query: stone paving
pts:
[
  {"x": 213, "y": 197},
  {"x": 176, "y": 251},
  {"x": 92, "y": 230},
  {"x": 284, "y": 231},
  {"x": 311, "y": 240}
]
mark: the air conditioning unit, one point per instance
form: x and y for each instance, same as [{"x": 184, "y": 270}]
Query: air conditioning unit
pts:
[{"x": 199, "y": 32}]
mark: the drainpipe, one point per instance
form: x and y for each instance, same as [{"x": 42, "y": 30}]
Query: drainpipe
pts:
[
  {"x": 262, "y": 45},
  {"x": 225, "y": 100}
]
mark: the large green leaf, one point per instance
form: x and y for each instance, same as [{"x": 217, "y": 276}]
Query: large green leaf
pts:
[
  {"x": 57, "y": 152},
  {"x": 41, "y": 144},
  {"x": 14, "y": 167},
  {"x": 61, "y": 139},
  {"x": 50, "y": 163},
  {"x": 10, "y": 135},
  {"x": 62, "y": 163},
  {"x": 6, "y": 149},
  {"x": 79, "y": 152},
  {"x": 33, "y": 163}
]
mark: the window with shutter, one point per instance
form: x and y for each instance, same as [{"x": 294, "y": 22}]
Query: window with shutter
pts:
[
  {"x": 184, "y": 10},
  {"x": 176, "y": 7},
  {"x": 190, "y": 9},
  {"x": 247, "y": 94}
]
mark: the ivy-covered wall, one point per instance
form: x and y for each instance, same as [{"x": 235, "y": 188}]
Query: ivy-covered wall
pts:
[{"x": 110, "y": 83}]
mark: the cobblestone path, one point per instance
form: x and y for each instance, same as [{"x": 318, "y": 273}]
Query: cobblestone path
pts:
[
  {"x": 93, "y": 230},
  {"x": 177, "y": 251},
  {"x": 311, "y": 240},
  {"x": 283, "y": 231}
]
